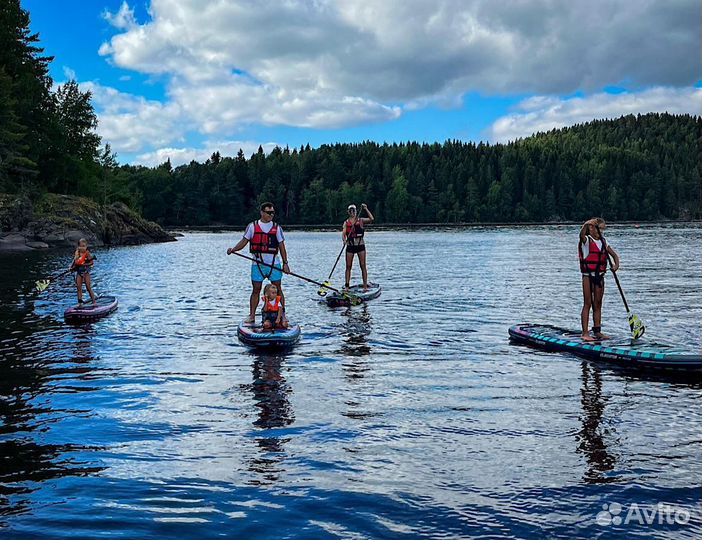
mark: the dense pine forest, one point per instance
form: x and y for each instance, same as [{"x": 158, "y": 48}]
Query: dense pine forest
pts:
[{"x": 633, "y": 168}]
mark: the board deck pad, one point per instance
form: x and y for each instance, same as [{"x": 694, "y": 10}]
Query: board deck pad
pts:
[
  {"x": 88, "y": 312},
  {"x": 335, "y": 299},
  {"x": 640, "y": 353},
  {"x": 253, "y": 335}
]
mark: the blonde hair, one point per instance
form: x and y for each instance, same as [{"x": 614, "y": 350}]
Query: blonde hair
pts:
[{"x": 268, "y": 288}]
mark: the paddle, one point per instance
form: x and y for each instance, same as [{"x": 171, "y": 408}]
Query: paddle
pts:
[
  {"x": 355, "y": 300},
  {"x": 327, "y": 284},
  {"x": 42, "y": 284},
  {"x": 635, "y": 323}
]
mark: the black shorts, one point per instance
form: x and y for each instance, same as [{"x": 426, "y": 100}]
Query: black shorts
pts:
[
  {"x": 355, "y": 249},
  {"x": 270, "y": 316}
]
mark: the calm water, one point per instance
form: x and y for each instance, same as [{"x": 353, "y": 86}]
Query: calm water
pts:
[{"x": 410, "y": 416}]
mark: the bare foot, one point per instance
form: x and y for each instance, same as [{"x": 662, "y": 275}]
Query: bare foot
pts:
[
  {"x": 587, "y": 337},
  {"x": 250, "y": 319},
  {"x": 600, "y": 335}
]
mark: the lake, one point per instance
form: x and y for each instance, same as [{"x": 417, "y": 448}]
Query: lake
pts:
[{"x": 410, "y": 416}]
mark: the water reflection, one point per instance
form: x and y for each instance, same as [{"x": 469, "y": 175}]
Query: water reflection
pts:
[
  {"x": 271, "y": 394},
  {"x": 594, "y": 434},
  {"x": 357, "y": 326},
  {"x": 25, "y": 418}
]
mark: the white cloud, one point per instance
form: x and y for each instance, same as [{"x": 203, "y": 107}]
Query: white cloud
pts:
[
  {"x": 179, "y": 156},
  {"x": 131, "y": 123},
  {"x": 543, "y": 113},
  {"x": 123, "y": 19},
  {"x": 69, "y": 73},
  {"x": 328, "y": 64},
  {"x": 396, "y": 51}
]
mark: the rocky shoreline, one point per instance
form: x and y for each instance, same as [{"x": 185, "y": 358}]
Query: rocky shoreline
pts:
[{"x": 61, "y": 220}]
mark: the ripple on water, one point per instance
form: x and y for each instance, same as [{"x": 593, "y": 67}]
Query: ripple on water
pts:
[{"x": 409, "y": 416}]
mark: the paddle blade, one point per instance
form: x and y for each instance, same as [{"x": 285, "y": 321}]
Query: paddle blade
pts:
[
  {"x": 42, "y": 284},
  {"x": 323, "y": 289},
  {"x": 636, "y": 325}
]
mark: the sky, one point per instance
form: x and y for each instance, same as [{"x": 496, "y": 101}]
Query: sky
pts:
[{"x": 181, "y": 79}]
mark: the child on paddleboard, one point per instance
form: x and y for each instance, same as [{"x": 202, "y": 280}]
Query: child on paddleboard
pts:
[
  {"x": 83, "y": 261},
  {"x": 592, "y": 253},
  {"x": 273, "y": 311}
]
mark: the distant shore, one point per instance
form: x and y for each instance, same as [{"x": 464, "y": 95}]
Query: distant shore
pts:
[{"x": 421, "y": 226}]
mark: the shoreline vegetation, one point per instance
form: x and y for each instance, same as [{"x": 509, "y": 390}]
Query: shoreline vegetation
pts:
[
  {"x": 431, "y": 226},
  {"x": 633, "y": 168}
]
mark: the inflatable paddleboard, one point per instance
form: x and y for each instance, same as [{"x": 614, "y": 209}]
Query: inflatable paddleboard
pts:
[
  {"x": 335, "y": 299},
  {"x": 255, "y": 336},
  {"x": 87, "y": 312},
  {"x": 640, "y": 353}
]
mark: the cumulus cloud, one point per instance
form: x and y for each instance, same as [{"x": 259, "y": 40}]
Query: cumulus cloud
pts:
[
  {"x": 543, "y": 113},
  {"x": 123, "y": 19},
  {"x": 329, "y": 64},
  {"x": 395, "y": 51},
  {"x": 129, "y": 123},
  {"x": 179, "y": 156}
]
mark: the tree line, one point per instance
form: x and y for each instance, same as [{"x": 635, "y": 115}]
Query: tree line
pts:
[
  {"x": 48, "y": 140},
  {"x": 633, "y": 168},
  {"x": 643, "y": 167}
]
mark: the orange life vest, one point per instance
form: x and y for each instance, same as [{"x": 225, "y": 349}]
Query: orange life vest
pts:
[
  {"x": 262, "y": 242},
  {"x": 271, "y": 306},
  {"x": 83, "y": 259}
]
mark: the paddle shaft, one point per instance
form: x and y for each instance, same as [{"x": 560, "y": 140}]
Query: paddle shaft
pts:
[
  {"x": 616, "y": 279},
  {"x": 338, "y": 258},
  {"x": 290, "y": 273},
  {"x": 619, "y": 285}
]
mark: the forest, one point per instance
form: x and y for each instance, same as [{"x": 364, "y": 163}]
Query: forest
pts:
[{"x": 643, "y": 167}]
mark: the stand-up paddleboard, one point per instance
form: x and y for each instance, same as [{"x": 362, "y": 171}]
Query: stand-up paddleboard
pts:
[
  {"x": 254, "y": 335},
  {"x": 335, "y": 299},
  {"x": 87, "y": 312},
  {"x": 640, "y": 353}
]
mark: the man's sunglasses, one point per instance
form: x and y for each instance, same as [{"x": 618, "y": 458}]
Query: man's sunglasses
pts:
[{"x": 269, "y": 212}]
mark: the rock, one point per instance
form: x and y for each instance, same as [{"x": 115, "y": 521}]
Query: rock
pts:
[
  {"x": 38, "y": 245},
  {"x": 62, "y": 220},
  {"x": 13, "y": 242}
]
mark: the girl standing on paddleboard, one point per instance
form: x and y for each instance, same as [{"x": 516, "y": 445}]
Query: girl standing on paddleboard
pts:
[
  {"x": 352, "y": 234},
  {"x": 83, "y": 261},
  {"x": 592, "y": 252}
]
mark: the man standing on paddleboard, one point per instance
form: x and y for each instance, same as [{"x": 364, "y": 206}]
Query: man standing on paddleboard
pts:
[{"x": 266, "y": 239}]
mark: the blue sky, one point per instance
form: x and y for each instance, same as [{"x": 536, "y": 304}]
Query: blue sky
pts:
[{"x": 180, "y": 79}]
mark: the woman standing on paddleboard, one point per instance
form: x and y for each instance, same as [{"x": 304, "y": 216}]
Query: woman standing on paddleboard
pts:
[
  {"x": 352, "y": 234},
  {"x": 592, "y": 252}
]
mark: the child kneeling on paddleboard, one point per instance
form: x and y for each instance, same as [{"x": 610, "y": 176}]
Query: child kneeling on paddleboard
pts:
[
  {"x": 83, "y": 261},
  {"x": 592, "y": 253},
  {"x": 273, "y": 310}
]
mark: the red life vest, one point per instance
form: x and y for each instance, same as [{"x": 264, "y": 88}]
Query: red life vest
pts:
[
  {"x": 271, "y": 306},
  {"x": 596, "y": 261},
  {"x": 354, "y": 230},
  {"x": 262, "y": 242}
]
